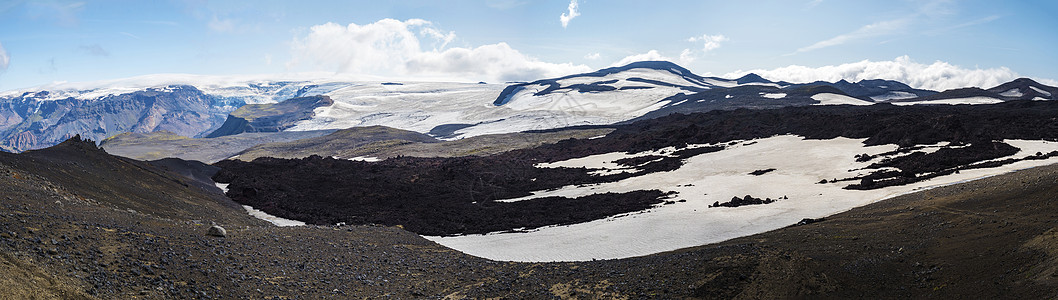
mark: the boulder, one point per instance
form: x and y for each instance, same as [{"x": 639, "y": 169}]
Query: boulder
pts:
[{"x": 216, "y": 230}]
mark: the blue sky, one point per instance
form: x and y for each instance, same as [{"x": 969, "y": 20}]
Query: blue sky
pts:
[{"x": 930, "y": 44}]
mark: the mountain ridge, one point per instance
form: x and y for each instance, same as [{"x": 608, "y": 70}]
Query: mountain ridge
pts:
[{"x": 31, "y": 119}]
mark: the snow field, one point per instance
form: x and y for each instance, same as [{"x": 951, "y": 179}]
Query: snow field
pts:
[
  {"x": 836, "y": 99},
  {"x": 707, "y": 178},
  {"x": 970, "y": 100}
]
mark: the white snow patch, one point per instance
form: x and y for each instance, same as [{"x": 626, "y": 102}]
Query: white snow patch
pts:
[
  {"x": 775, "y": 85},
  {"x": 256, "y": 213},
  {"x": 365, "y": 158},
  {"x": 1038, "y": 90},
  {"x": 773, "y": 95},
  {"x": 728, "y": 96},
  {"x": 707, "y": 178},
  {"x": 956, "y": 101},
  {"x": 277, "y": 221},
  {"x": 1012, "y": 93},
  {"x": 1039, "y": 99},
  {"x": 837, "y": 99},
  {"x": 894, "y": 95}
]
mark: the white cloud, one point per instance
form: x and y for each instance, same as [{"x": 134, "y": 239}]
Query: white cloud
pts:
[
  {"x": 963, "y": 25},
  {"x": 222, "y": 25},
  {"x": 870, "y": 30},
  {"x": 393, "y": 48},
  {"x": 937, "y": 76},
  {"x": 593, "y": 56},
  {"x": 130, "y": 35},
  {"x": 573, "y": 13},
  {"x": 62, "y": 13},
  {"x": 814, "y": 3},
  {"x": 650, "y": 55},
  {"x": 686, "y": 56},
  {"x": 95, "y": 50},
  {"x": 710, "y": 41},
  {"x": 5, "y": 60}
]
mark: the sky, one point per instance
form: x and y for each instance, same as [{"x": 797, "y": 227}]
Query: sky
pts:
[{"x": 938, "y": 44}]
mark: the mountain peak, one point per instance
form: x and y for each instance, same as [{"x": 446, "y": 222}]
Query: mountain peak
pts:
[
  {"x": 649, "y": 64},
  {"x": 1023, "y": 81},
  {"x": 1025, "y": 89},
  {"x": 77, "y": 142},
  {"x": 751, "y": 78}
]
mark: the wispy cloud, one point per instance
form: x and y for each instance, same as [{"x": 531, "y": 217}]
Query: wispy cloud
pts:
[
  {"x": 931, "y": 9},
  {"x": 710, "y": 41},
  {"x": 813, "y": 3},
  {"x": 963, "y": 25},
  {"x": 130, "y": 35},
  {"x": 871, "y": 30},
  {"x": 573, "y": 13},
  {"x": 62, "y": 13},
  {"x": 593, "y": 56},
  {"x": 5, "y": 59},
  {"x": 222, "y": 25},
  {"x": 94, "y": 50}
]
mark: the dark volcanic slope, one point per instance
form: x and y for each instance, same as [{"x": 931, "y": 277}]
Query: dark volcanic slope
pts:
[
  {"x": 430, "y": 196},
  {"x": 337, "y": 143},
  {"x": 440, "y": 196},
  {"x": 91, "y": 175},
  {"x": 384, "y": 142},
  {"x": 987, "y": 239},
  {"x": 270, "y": 117},
  {"x": 161, "y": 144},
  {"x": 880, "y": 124}
]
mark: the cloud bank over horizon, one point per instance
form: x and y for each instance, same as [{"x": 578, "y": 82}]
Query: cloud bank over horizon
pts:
[{"x": 936, "y": 76}]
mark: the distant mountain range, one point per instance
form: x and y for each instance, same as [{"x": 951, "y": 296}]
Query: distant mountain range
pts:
[{"x": 37, "y": 118}]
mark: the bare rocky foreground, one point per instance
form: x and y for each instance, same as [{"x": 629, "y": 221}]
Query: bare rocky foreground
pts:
[{"x": 77, "y": 223}]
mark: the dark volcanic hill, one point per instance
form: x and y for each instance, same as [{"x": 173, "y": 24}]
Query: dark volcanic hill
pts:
[
  {"x": 271, "y": 117},
  {"x": 380, "y": 142},
  {"x": 1025, "y": 89},
  {"x": 88, "y": 174}
]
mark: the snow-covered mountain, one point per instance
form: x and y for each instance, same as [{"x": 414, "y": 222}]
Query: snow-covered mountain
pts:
[
  {"x": 1025, "y": 89},
  {"x": 196, "y": 106},
  {"x": 183, "y": 104}
]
